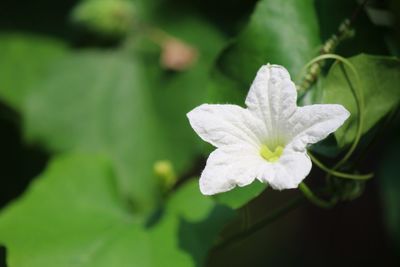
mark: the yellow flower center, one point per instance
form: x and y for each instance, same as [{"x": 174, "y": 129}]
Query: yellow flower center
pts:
[{"x": 269, "y": 155}]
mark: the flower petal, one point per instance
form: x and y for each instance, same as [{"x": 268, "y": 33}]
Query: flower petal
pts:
[
  {"x": 311, "y": 124},
  {"x": 229, "y": 166},
  {"x": 272, "y": 97},
  {"x": 223, "y": 125},
  {"x": 289, "y": 171}
]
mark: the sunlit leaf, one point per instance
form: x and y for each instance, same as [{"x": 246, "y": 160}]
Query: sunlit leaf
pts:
[
  {"x": 124, "y": 104},
  {"x": 72, "y": 216},
  {"x": 24, "y": 61},
  {"x": 101, "y": 102}
]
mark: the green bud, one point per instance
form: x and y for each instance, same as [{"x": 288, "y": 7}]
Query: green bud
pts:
[
  {"x": 164, "y": 170},
  {"x": 107, "y": 17}
]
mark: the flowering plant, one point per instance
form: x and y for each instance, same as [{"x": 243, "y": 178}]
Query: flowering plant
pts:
[{"x": 102, "y": 116}]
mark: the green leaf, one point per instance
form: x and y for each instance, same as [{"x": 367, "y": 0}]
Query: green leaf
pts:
[
  {"x": 72, "y": 216},
  {"x": 101, "y": 101},
  {"x": 279, "y": 32},
  {"x": 240, "y": 196},
  {"x": 126, "y": 105},
  {"x": 379, "y": 77},
  {"x": 95, "y": 101},
  {"x": 24, "y": 61}
]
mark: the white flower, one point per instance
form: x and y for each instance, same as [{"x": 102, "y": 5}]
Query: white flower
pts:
[{"x": 267, "y": 140}]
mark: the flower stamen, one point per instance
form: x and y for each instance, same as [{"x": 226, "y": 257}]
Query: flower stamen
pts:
[{"x": 269, "y": 155}]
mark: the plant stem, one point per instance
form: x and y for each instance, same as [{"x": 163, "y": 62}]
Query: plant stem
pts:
[
  {"x": 314, "y": 199},
  {"x": 358, "y": 96},
  {"x": 340, "y": 174}
]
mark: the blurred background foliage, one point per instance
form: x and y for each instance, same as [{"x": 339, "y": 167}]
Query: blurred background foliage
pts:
[{"x": 99, "y": 165}]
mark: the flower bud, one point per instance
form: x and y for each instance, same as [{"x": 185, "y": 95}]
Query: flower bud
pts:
[{"x": 166, "y": 174}]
